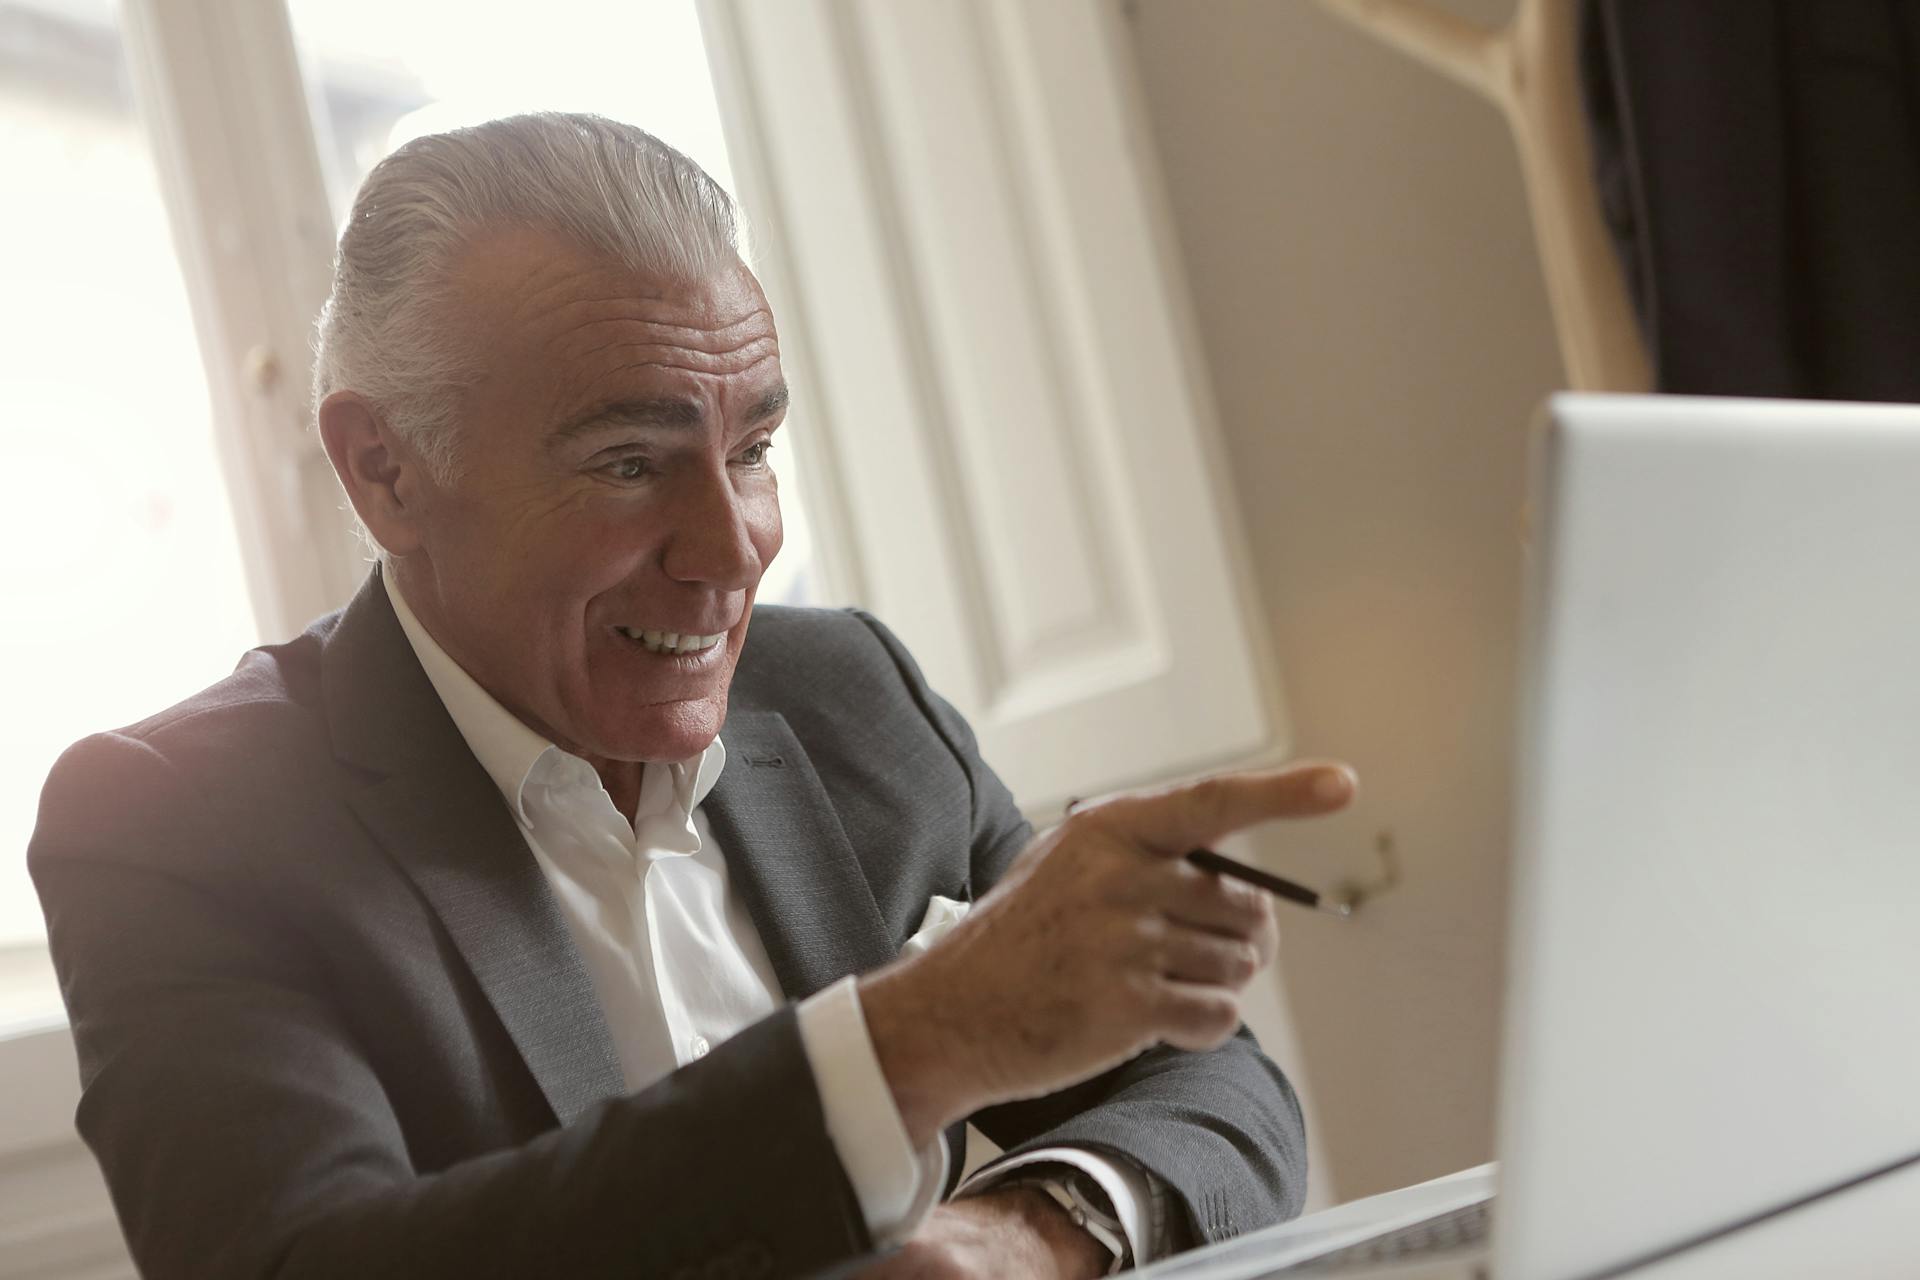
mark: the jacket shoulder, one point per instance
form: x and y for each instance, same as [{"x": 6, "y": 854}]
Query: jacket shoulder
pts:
[
  {"x": 274, "y": 686},
  {"x": 268, "y": 710},
  {"x": 788, "y": 644}
]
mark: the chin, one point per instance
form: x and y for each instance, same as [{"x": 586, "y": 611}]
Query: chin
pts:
[{"x": 675, "y": 731}]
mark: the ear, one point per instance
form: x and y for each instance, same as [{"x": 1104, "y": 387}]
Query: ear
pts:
[{"x": 385, "y": 481}]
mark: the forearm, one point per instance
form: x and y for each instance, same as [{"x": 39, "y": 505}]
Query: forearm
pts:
[{"x": 1221, "y": 1129}]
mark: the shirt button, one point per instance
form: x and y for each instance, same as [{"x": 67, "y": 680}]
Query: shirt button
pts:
[{"x": 699, "y": 1046}]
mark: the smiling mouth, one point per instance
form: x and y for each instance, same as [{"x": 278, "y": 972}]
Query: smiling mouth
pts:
[{"x": 671, "y": 642}]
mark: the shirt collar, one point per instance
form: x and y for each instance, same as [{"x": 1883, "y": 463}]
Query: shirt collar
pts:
[{"x": 507, "y": 749}]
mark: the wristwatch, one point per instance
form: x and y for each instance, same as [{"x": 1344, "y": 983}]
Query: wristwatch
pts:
[{"x": 1086, "y": 1204}]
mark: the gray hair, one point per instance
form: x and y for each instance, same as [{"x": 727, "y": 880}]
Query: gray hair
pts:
[{"x": 608, "y": 187}]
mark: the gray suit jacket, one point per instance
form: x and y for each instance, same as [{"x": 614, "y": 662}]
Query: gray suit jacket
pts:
[{"x": 331, "y": 1023}]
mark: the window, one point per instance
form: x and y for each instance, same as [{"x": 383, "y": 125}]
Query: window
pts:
[{"x": 127, "y": 591}]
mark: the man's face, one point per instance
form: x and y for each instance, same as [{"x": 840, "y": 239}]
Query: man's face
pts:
[{"x": 612, "y": 481}]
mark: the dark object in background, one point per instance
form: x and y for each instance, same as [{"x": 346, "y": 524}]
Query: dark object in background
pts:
[{"x": 1759, "y": 161}]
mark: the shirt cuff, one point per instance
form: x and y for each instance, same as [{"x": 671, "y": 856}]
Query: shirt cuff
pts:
[
  {"x": 894, "y": 1184},
  {"x": 1125, "y": 1183}
]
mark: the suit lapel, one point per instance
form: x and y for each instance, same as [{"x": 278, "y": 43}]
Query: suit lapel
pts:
[
  {"x": 439, "y": 816},
  {"x": 790, "y": 860}
]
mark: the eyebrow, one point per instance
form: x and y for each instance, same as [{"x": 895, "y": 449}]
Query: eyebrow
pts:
[{"x": 663, "y": 412}]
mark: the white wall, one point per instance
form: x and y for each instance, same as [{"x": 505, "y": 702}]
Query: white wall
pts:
[{"x": 1377, "y": 334}]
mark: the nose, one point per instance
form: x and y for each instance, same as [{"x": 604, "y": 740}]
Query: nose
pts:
[{"x": 714, "y": 533}]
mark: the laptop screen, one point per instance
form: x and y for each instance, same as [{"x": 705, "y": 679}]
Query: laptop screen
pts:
[{"x": 1716, "y": 930}]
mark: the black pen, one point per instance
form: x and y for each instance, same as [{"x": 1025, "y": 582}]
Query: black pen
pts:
[{"x": 1279, "y": 886}]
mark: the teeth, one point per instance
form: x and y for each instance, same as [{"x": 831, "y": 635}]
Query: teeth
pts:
[{"x": 671, "y": 641}]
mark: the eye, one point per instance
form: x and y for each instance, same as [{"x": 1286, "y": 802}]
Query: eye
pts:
[
  {"x": 630, "y": 467},
  {"x": 756, "y": 454}
]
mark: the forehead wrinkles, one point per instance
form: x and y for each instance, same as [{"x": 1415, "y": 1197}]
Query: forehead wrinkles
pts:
[
  {"x": 580, "y": 324},
  {"x": 717, "y": 346},
  {"x": 579, "y": 313},
  {"x": 601, "y": 339},
  {"x": 555, "y": 281},
  {"x": 738, "y": 364}
]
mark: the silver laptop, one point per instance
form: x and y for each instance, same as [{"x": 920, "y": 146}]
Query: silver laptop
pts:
[{"x": 1713, "y": 1004}]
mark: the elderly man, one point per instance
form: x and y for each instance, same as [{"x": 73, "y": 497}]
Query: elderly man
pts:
[{"x": 523, "y": 919}]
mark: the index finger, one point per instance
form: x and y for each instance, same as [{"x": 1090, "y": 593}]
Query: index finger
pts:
[{"x": 1172, "y": 820}]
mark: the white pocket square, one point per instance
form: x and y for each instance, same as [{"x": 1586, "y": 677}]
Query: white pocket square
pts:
[{"x": 942, "y": 915}]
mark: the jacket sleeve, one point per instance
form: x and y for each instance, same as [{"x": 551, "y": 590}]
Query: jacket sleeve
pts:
[
  {"x": 1223, "y": 1130},
  {"x": 243, "y": 1132}
]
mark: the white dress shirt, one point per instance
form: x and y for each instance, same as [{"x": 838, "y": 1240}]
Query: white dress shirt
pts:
[{"x": 678, "y": 965}]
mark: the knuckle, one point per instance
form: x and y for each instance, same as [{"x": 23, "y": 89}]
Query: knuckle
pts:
[
  {"x": 1100, "y": 824},
  {"x": 1224, "y": 893},
  {"x": 1171, "y": 1007},
  {"x": 1150, "y": 935},
  {"x": 1249, "y": 901},
  {"x": 1140, "y": 993},
  {"x": 1073, "y": 839},
  {"x": 1201, "y": 1022},
  {"x": 1246, "y": 962},
  {"x": 1184, "y": 880},
  {"x": 1207, "y": 800}
]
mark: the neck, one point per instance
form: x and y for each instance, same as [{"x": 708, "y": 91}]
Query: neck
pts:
[{"x": 621, "y": 778}]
